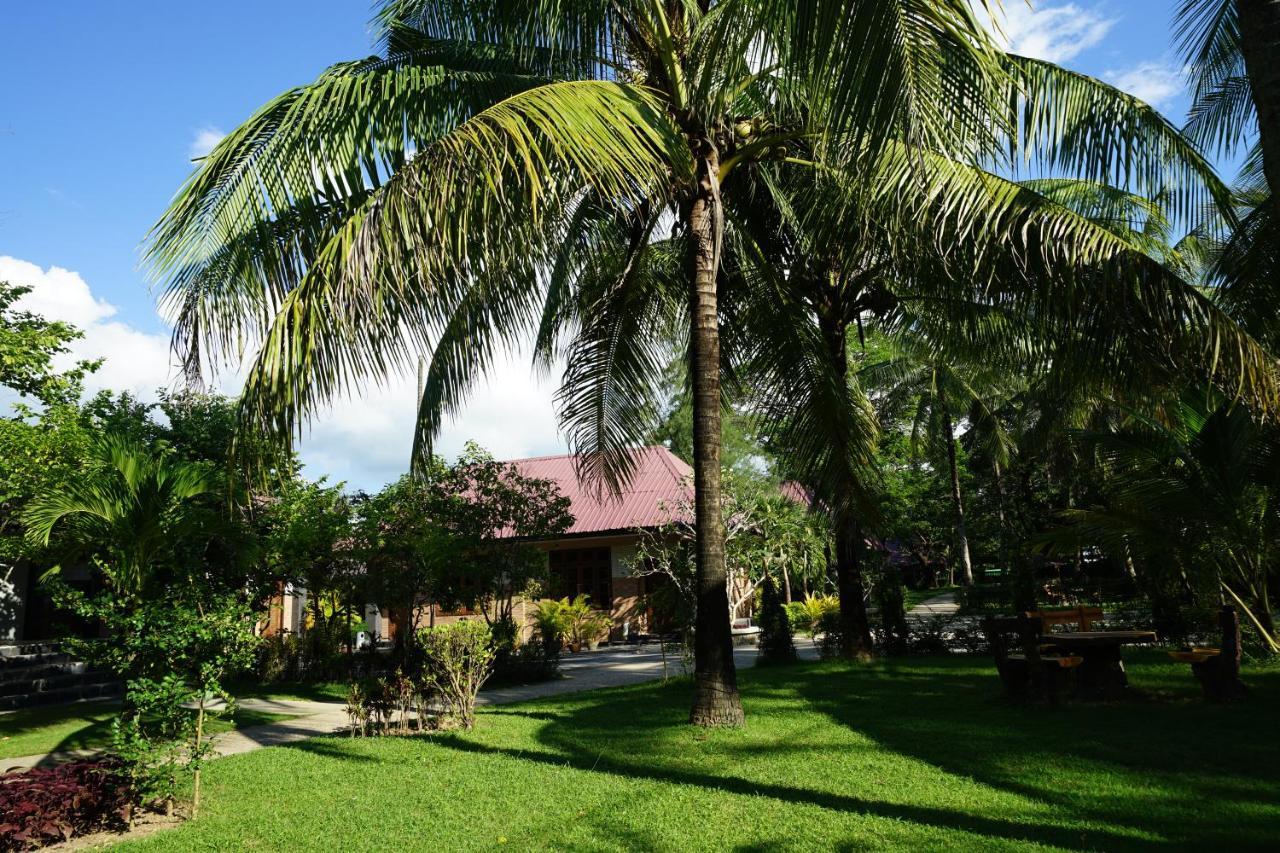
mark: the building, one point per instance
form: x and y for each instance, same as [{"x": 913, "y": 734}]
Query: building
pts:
[{"x": 593, "y": 557}]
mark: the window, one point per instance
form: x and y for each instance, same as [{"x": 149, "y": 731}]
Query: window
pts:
[{"x": 583, "y": 571}]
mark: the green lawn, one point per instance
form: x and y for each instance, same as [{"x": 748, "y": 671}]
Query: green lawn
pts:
[
  {"x": 87, "y": 725},
  {"x": 913, "y": 754}
]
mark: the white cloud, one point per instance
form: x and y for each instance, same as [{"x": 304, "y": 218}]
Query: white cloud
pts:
[
  {"x": 1052, "y": 32},
  {"x": 204, "y": 141},
  {"x": 1158, "y": 82},
  {"x": 136, "y": 361},
  {"x": 365, "y": 441}
]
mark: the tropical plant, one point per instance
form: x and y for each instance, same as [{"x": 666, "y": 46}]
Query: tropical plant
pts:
[
  {"x": 139, "y": 514},
  {"x": 942, "y": 393},
  {"x": 584, "y": 624},
  {"x": 1228, "y": 45},
  {"x": 550, "y": 625}
]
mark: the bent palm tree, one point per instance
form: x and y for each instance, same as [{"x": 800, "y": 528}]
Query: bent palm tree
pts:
[{"x": 469, "y": 187}]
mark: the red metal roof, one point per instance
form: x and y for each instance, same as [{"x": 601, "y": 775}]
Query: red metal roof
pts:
[{"x": 660, "y": 478}]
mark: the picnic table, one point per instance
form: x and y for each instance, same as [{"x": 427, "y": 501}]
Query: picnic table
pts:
[{"x": 1101, "y": 673}]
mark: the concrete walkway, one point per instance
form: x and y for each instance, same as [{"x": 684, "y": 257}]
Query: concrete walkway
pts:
[
  {"x": 609, "y": 667},
  {"x": 943, "y": 605}
]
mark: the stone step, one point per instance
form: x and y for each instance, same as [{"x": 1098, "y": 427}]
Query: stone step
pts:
[
  {"x": 61, "y": 695},
  {"x": 55, "y": 682},
  {"x": 42, "y": 669},
  {"x": 12, "y": 650}
]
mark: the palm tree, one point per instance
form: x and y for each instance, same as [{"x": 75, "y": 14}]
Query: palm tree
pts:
[
  {"x": 139, "y": 513},
  {"x": 501, "y": 169}
]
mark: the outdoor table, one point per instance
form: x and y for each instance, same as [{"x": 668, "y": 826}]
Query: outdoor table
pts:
[{"x": 1101, "y": 674}]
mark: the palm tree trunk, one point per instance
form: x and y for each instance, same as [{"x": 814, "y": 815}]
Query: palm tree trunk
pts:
[
  {"x": 1260, "y": 44},
  {"x": 855, "y": 628},
  {"x": 962, "y": 536},
  {"x": 855, "y": 631},
  {"x": 715, "y": 698}
]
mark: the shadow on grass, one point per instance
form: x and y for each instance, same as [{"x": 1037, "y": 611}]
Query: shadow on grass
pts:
[
  {"x": 1195, "y": 773},
  {"x": 923, "y": 815},
  {"x": 1129, "y": 776}
]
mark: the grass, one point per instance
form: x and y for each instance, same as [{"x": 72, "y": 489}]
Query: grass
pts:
[
  {"x": 910, "y": 754},
  {"x": 87, "y": 725}
]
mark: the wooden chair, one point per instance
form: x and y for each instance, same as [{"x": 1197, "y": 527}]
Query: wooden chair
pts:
[
  {"x": 1028, "y": 671},
  {"x": 1218, "y": 670}
]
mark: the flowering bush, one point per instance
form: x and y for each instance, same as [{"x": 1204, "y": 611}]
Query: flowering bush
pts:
[{"x": 47, "y": 805}]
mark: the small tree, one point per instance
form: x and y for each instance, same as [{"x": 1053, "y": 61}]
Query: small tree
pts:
[
  {"x": 409, "y": 555},
  {"x": 494, "y": 511},
  {"x": 458, "y": 659},
  {"x": 775, "y": 628}
]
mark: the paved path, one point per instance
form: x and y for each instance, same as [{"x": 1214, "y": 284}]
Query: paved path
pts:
[
  {"x": 942, "y": 605},
  {"x": 611, "y": 667}
]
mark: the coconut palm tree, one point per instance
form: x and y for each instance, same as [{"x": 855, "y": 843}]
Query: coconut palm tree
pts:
[
  {"x": 138, "y": 513},
  {"x": 461, "y": 190}
]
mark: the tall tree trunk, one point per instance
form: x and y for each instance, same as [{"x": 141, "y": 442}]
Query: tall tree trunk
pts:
[
  {"x": 715, "y": 699},
  {"x": 855, "y": 629},
  {"x": 962, "y": 535},
  {"x": 1260, "y": 44}
]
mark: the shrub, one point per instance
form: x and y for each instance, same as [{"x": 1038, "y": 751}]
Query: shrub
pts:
[
  {"x": 279, "y": 658},
  {"x": 47, "y": 805},
  {"x": 799, "y": 618},
  {"x": 775, "y": 628},
  {"x": 895, "y": 633},
  {"x": 824, "y": 613},
  {"x": 458, "y": 659}
]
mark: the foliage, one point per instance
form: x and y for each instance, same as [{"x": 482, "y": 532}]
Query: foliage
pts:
[
  {"x": 775, "y": 627},
  {"x": 493, "y": 511},
  {"x": 407, "y": 553},
  {"x": 28, "y": 345},
  {"x": 308, "y": 541},
  {"x": 170, "y": 653},
  {"x": 799, "y": 617},
  {"x": 824, "y": 622},
  {"x": 766, "y": 532},
  {"x": 517, "y": 662},
  {"x": 1196, "y": 495},
  {"x": 147, "y": 518},
  {"x": 887, "y": 592},
  {"x": 458, "y": 659},
  {"x": 583, "y": 623},
  {"x": 550, "y": 625},
  {"x": 44, "y": 806}
]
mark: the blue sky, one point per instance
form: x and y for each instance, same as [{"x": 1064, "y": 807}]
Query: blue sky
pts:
[{"x": 103, "y": 105}]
